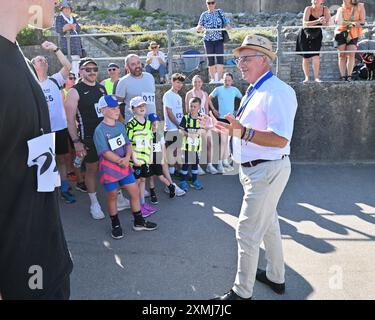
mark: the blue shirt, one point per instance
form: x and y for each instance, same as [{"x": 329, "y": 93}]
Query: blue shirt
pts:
[
  {"x": 226, "y": 97},
  {"x": 213, "y": 20},
  {"x": 110, "y": 171}
]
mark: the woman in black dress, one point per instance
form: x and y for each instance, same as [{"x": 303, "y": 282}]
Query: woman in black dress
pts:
[{"x": 310, "y": 39}]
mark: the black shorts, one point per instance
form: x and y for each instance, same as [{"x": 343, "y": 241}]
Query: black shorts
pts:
[
  {"x": 170, "y": 137},
  {"x": 142, "y": 172},
  {"x": 213, "y": 47},
  {"x": 92, "y": 155},
  {"x": 340, "y": 39},
  {"x": 62, "y": 142},
  {"x": 156, "y": 170}
]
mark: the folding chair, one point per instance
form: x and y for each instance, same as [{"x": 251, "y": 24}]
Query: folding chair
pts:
[{"x": 190, "y": 65}]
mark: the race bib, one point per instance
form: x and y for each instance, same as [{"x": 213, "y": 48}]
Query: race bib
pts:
[
  {"x": 117, "y": 142},
  {"x": 193, "y": 141},
  {"x": 179, "y": 116},
  {"x": 156, "y": 147},
  {"x": 98, "y": 111},
  {"x": 141, "y": 143},
  {"x": 149, "y": 97},
  {"x": 42, "y": 155}
]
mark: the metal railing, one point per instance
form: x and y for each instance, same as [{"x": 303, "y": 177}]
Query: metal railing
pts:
[{"x": 169, "y": 32}]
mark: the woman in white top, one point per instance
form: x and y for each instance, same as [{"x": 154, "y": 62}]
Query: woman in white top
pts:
[
  {"x": 155, "y": 61},
  {"x": 203, "y": 95}
]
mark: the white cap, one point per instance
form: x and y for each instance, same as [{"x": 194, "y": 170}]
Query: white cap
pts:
[{"x": 137, "y": 102}]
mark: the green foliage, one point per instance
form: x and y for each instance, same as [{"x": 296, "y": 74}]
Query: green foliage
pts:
[
  {"x": 134, "y": 41},
  {"x": 30, "y": 36},
  {"x": 238, "y": 36}
]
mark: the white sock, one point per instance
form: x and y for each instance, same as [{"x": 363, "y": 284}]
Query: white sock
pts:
[
  {"x": 220, "y": 162},
  {"x": 209, "y": 164},
  {"x": 93, "y": 198},
  {"x": 172, "y": 170}
]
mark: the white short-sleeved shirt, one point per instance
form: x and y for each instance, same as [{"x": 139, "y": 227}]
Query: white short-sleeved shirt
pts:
[
  {"x": 129, "y": 87},
  {"x": 55, "y": 103},
  {"x": 272, "y": 108},
  {"x": 173, "y": 101},
  {"x": 155, "y": 64}
]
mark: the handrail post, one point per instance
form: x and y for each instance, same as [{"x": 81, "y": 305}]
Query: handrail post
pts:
[
  {"x": 170, "y": 53},
  {"x": 279, "y": 49},
  {"x": 69, "y": 51}
]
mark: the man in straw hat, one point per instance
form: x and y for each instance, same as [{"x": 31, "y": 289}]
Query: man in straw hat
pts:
[
  {"x": 155, "y": 61},
  {"x": 260, "y": 142}
]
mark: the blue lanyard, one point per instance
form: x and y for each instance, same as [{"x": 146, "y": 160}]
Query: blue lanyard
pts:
[{"x": 251, "y": 93}]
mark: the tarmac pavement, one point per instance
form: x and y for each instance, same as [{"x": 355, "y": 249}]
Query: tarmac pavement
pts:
[{"x": 327, "y": 218}]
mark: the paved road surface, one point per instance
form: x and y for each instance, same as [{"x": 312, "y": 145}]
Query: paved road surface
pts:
[{"x": 327, "y": 217}]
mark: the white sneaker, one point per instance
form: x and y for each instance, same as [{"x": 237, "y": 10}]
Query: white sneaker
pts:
[
  {"x": 212, "y": 81},
  {"x": 227, "y": 166},
  {"x": 179, "y": 191},
  {"x": 211, "y": 169},
  {"x": 220, "y": 169},
  {"x": 201, "y": 171},
  {"x": 147, "y": 194},
  {"x": 122, "y": 202},
  {"x": 96, "y": 211}
]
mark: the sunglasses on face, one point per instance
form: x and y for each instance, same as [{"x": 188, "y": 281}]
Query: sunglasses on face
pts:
[
  {"x": 112, "y": 69},
  {"x": 154, "y": 47},
  {"x": 211, "y": 3},
  {"x": 71, "y": 78},
  {"x": 93, "y": 69}
]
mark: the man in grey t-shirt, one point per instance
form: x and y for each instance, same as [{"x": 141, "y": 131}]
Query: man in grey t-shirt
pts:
[{"x": 136, "y": 83}]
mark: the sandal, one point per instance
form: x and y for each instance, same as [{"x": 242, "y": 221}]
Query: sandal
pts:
[
  {"x": 349, "y": 78},
  {"x": 343, "y": 78}
]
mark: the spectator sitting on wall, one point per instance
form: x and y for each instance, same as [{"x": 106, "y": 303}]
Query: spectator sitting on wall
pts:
[
  {"x": 114, "y": 75},
  {"x": 67, "y": 24},
  {"x": 155, "y": 62}
]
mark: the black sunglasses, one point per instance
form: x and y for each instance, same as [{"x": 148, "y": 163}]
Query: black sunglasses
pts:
[
  {"x": 93, "y": 69},
  {"x": 71, "y": 78},
  {"x": 112, "y": 69},
  {"x": 212, "y": 2}
]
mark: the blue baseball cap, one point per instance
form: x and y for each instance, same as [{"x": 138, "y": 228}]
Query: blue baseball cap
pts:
[
  {"x": 108, "y": 101},
  {"x": 153, "y": 117}
]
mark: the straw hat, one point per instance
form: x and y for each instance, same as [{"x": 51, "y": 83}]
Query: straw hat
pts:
[{"x": 257, "y": 43}]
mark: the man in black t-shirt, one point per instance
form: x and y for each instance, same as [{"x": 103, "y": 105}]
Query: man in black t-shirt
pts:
[
  {"x": 81, "y": 106},
  {"x": 34, "y": 258}
]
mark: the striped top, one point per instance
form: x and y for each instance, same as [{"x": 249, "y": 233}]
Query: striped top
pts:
[
  {"x": 141, "y": 137},
  {"x": 193, "y": 141}
]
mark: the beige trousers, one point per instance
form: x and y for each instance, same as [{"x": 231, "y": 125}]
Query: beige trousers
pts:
[{"x": 258, "y": 221}]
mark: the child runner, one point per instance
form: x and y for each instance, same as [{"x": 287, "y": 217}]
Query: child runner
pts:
[
  {"x": 173, "y": 113},
  {"x": 140, "y": 134},
  {"x": 114, "y": 150},
  {"x": 191, "y": 144},
  {"x": 158, "y": 159}
]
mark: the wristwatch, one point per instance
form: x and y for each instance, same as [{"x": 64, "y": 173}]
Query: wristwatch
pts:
[{"x": 57, "y": 49}]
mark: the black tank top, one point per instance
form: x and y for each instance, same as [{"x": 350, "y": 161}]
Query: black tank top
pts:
[
  {"x": 87, "y": 116},
  {"x": 312, "y": 18}
]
